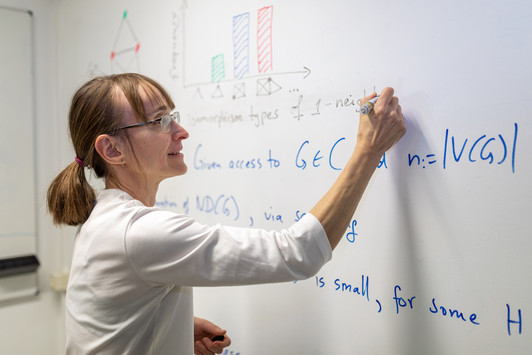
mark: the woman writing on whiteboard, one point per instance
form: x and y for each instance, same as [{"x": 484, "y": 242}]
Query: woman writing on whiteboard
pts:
[{"x": 134, "y": 265}]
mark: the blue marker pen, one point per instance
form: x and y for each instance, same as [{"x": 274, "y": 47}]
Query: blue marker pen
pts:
[{"x": 368, "y": 106}]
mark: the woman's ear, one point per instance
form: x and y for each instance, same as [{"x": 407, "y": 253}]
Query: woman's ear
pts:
[{"x": 108, "y": 148}]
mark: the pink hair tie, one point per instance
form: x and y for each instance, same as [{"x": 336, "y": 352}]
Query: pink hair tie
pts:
[{"x": 80, "y": 162}]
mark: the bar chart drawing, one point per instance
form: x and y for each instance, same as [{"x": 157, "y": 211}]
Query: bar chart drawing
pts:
[
  {"x": 124, "y": 54},
  {"x": 244, "y": 59}
]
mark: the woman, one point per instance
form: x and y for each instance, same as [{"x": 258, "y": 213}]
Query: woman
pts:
[{"x": 133, "y": 268}]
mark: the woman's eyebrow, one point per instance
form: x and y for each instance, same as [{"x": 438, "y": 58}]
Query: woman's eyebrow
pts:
[{"x": 159, "y": 111}]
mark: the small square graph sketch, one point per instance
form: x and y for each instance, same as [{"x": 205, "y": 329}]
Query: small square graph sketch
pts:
[{"x": 239, "y": 91}]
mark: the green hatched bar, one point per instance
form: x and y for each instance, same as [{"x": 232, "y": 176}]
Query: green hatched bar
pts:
[{"x": 217, "y": 68}]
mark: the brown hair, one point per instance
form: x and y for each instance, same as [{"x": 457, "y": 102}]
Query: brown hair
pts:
[{"x": 94, "y": 111}]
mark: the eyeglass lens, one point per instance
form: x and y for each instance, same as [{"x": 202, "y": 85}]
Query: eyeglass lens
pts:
[{"x": 166, "y": 121}]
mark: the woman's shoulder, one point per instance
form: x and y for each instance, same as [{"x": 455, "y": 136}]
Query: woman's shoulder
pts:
[{"x": 119, "y": 205}]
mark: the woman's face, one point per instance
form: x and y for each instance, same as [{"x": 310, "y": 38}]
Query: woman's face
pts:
[{"x": 157, "y": 155}]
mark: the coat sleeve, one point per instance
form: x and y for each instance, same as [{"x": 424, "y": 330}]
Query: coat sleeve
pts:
[{"x": 167, "y": 248}]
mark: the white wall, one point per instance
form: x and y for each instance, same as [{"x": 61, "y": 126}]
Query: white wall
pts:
[{"x": 35, "y": 325}]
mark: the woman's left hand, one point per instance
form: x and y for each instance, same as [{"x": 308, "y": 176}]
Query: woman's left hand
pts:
[{"x": 204, "y": 332}]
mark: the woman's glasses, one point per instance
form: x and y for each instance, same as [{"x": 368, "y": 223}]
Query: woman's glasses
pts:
[{"x": 165, "y": 121}]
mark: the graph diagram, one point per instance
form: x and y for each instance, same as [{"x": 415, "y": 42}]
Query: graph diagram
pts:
[{"x": 126, "y": 47}]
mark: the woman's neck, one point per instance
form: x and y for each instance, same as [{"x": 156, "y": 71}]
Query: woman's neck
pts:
[{"x": 143, "y": 192}]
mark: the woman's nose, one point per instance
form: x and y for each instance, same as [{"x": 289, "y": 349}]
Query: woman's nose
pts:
[{"x": 178, "y": 131}]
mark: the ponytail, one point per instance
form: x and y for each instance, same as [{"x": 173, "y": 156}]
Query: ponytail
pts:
[{"x": 70, "y": 196}]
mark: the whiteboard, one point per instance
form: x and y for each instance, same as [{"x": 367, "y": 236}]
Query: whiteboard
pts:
[
  {"x": 437, "y": 256},
  {"x": 17, "y": 164}
]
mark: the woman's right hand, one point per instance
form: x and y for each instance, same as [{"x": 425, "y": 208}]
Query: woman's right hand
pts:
[{"x": 379, "y": 130}]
